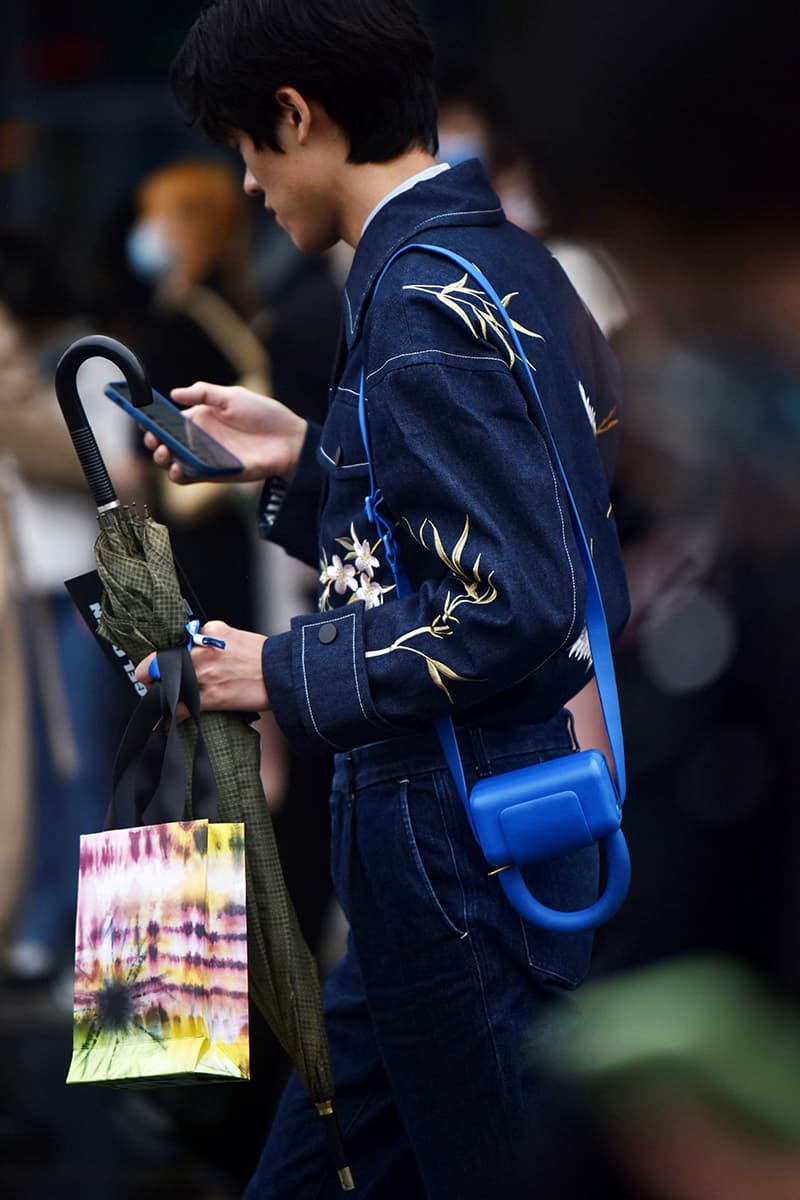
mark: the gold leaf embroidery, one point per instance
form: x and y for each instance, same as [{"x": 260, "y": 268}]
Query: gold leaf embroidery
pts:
[
  {"x": 475, "y": 590},
  {"x": 472, "y": 304}
]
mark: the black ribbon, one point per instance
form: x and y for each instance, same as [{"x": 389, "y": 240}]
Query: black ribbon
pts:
[{"x": 149, "y": 777}]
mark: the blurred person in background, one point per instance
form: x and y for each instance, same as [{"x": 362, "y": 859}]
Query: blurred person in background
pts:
[
  {"x": 189, "y": 240},
  {"x": 476, "y": 122},
  {"x": 651, "y": 143},
  {"x": 75, "y": 708}
]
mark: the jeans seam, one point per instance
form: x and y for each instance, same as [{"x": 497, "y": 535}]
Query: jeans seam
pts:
[{"x": 444, "y": 793}]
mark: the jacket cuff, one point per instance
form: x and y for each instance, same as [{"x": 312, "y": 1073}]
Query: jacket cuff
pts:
[
  {"x": 316, "y": 680},
  {"x": 292, "y": 521}
]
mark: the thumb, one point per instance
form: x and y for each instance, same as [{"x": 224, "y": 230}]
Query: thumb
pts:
[{"x": 211, "y": 394}]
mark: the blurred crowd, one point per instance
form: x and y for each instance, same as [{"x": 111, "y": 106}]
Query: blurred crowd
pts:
[{"x": 650, "y": 146}]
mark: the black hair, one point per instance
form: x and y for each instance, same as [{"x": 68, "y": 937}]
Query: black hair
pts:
[
  {"x": 686, "y": 113},
  {"x": 369, "y": 63}
]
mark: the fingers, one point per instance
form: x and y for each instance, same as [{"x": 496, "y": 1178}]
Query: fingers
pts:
[
  {"x": 162, "y": 457},
  {"x": 229, "y": 678},
  {"x": 212, "y": 394},
  {"x": 143, "y": 671},
  {"x": 177, "y": 473},
  {"x": 217, "y": 629}
]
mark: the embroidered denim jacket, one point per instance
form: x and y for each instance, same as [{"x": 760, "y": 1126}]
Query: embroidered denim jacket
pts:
[{"x": 494, "y": 632}]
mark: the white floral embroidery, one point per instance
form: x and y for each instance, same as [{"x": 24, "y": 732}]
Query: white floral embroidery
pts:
[
  {"x": 342, "y": 575},
  {"x": 370, "y": 591},
  {"x": 355, "y": 574},
  {"x": 362, "y": 555},
  {"x": 581, "y": 649}
]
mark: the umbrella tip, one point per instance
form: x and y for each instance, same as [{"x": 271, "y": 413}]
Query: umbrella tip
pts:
[{"x": 336, "y": 1145}]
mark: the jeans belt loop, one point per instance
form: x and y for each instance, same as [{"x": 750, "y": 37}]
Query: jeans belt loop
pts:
[{"x": 480, "y": 757}]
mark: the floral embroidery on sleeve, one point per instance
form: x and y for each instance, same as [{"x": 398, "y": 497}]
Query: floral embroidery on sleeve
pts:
[
  {"x": 354, "y": 573},
  {"x": 474, "y": 589}
]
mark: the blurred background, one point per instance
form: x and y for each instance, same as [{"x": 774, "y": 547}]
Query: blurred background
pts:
[{"x": 653, "y": 147}]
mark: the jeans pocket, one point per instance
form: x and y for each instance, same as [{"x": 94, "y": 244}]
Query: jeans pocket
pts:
[
  {"x": 433, "y": 857},
  {"x": 561, "y": 959}
]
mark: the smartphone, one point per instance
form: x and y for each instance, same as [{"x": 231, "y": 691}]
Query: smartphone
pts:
[{"x": 196, "y": 450}]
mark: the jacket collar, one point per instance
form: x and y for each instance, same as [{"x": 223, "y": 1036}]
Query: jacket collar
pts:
[{"x": 460, "y": 196}]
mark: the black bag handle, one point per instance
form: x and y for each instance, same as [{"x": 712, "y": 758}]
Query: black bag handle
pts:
[{"x": 149, "y": 775}]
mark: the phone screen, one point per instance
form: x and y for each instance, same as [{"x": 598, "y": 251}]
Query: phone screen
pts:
[{"x": 168, "y": 418}]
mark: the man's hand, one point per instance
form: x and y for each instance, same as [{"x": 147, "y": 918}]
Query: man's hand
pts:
[
  {"x": 264, "y": 434},
  {"x": 229, "y": 679}
]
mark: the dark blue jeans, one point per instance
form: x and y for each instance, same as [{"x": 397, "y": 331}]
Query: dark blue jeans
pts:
[{"x": 434, "y": 1011}]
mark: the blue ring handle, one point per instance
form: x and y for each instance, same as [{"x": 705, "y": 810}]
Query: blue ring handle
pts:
[{"x": 618, "y": 864}]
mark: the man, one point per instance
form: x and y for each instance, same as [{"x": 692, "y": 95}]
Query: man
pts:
[{"x": 331, "y": 106}]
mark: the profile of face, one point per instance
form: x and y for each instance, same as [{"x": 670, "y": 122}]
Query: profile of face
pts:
[{"x": 300, "y": 183}]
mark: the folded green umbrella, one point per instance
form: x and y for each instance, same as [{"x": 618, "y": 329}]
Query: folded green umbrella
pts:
[{"x": 143, "y": 610}]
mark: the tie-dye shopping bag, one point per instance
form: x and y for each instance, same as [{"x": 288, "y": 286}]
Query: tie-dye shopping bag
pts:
[{"x": 161, "y": 956}]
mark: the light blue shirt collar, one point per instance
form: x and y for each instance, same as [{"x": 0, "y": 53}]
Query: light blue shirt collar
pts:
[{"x": 406, "y": 186}]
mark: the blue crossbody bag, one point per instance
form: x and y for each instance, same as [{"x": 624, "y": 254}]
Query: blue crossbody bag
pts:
[{"x": 555, "y": 807}]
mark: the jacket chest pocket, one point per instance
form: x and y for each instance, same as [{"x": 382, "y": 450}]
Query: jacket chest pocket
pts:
[{"x": 341, "y": 447}]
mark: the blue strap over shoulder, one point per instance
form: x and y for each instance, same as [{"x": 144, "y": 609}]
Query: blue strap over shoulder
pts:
[{"x": 596, "y": 625}]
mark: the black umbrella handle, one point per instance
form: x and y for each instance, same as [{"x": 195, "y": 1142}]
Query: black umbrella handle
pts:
[{"x": 97, "y": 345}]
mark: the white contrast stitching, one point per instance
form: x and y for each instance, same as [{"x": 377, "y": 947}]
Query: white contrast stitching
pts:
[
  {"x": 355, "y": 674},
  {"x": 333, "y": 621},
  {"x": 308, "y": 698},
  {"x": 464, "y": 212},
  {"x": 333, "y": 462},
  {"x": 448, "y": 353}
]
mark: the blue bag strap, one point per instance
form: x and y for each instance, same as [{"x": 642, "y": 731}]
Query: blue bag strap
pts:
[{"x": 595, "y": 617}]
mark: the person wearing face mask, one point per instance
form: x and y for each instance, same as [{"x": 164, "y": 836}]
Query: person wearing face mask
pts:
[
  {"x": 188, "y": 243},
  {"x": 148, "y": 251}
]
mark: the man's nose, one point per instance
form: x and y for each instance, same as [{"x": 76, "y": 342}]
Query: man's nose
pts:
[{"x": 250, "y": 184}]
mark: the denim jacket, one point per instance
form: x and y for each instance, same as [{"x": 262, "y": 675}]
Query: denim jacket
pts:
[{"x": 494, "y": 632}]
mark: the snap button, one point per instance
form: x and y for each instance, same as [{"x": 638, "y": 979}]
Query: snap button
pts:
[{"x": 327, "y": 633}]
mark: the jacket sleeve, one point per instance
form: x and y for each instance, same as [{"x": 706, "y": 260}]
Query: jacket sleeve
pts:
[
  {"x": 485, "y": 533},
  {"x": 290, "y": 518}
]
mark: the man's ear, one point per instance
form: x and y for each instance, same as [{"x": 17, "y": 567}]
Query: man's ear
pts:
[{"x": 296, "y": 116}]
